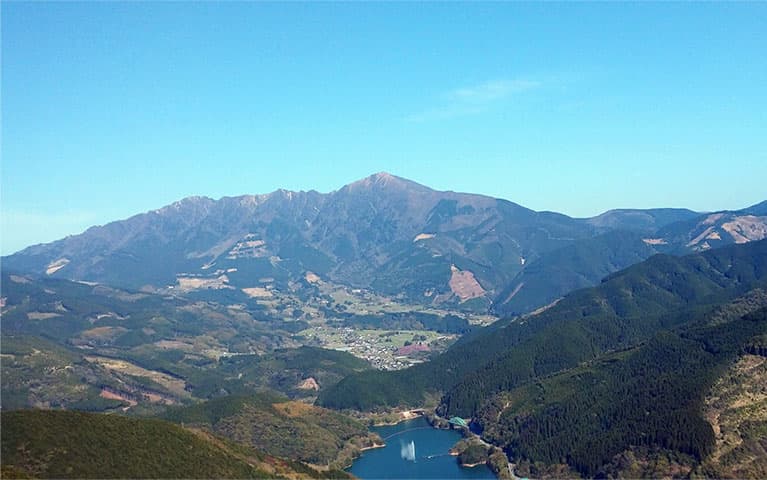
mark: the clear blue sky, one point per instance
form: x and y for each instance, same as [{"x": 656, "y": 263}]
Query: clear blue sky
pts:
[{"x": 110, "y": 109}]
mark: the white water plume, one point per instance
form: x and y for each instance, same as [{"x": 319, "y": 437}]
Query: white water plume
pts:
[{"x": 407, "y": 451}]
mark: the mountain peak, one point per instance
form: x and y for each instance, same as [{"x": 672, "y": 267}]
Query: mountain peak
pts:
[
  {"x": 758, "y": 209},
  {"x": 387, "y": 181},
  {"x": 383, "y": 176},
  {"x": 191, "y": 202}
]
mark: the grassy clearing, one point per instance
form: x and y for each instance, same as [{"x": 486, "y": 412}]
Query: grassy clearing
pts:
[{"x": 173, "y": 384}]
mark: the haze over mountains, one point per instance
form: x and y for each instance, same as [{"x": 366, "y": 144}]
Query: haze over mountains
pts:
[{"x": 383, "y": 233}]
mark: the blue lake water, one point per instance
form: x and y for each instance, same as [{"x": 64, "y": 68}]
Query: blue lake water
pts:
[{"x": 414, "y": 450}]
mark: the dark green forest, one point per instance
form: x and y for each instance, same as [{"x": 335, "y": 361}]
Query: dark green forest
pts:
[{"x": 648, "y": 396}]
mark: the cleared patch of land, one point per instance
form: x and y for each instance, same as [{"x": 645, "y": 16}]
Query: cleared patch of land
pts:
[
  {"x": 736, "y": 407},
  {"x": 54, "y": 267},
  {"x": 294, "y": 409},
  {"x": 464, "y": 285},
  {"x": 312, "y": 277},
  {"x": 42, "y": 315},
  {"x": 103, "y": 332},
  {"x": 111, "y": 395},
  {"x": 194, "y": 283},
  {"x": 700, "y": 237},
  {"x": 257, "y": 292},
  {"x": 654, "y": 241},
  {"x": 747, "y": 228},
  {"x": 309, "y": 384},
  {"x": 173, "y": 384}
]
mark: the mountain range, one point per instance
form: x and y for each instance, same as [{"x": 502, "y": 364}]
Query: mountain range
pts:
[
  {"x": 630, "y": 344},
  {"x": 385, "y": 234}
]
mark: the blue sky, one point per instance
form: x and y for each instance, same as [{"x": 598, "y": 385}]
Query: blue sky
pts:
[{"x": 110, "y": 109}]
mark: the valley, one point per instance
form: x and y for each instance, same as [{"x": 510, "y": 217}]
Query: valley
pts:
[{"x": 383, "y": 349}]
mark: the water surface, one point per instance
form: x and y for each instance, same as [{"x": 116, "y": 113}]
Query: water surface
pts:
[{"x": 414, "y": 450}]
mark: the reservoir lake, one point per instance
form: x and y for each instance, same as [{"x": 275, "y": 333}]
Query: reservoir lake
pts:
[{"x": 414, "y": 449}]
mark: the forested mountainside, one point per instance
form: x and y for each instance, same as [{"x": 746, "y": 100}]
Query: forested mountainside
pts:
[
  {"x": 385, "y": 234},
  {"x": 64, "y": 444},
  {"x": 627, "y": 308},
  {"x": 581, "y": 264},
  {"x": 644, "y": 399}
]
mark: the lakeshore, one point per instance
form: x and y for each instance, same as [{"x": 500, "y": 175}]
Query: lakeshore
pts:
[
  {"x": 496, "y": 460},
  {"x": 415, "y": 449},
  {"x": 373, "y": 447},
  {"x": 398, "y": 417}
]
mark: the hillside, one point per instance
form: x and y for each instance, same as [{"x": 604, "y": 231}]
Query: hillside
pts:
[
  {"x": 36, "y": 373},
  {"x": 713, "y": 230},
  {"x": 73, "y": 345},
  {"x": 98, "y": 316},
  {"x": 280, "y": 427},
  {"x": 641, "y": 221},
  {"x": 581, "y": 264},
  {"x": 736, "y": 407},
  {"x": 297, "y": 372},
  {"x": 626, "y": 309},
  {"x": 61, "y": 444},
  {"x": 642, "y": 403}
]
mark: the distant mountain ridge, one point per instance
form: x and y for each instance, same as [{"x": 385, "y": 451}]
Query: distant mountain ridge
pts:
[
  {"x": 640, "y": 220},
  {"x": 632, "y": 236},
  {"x": 384, "y": 233}
]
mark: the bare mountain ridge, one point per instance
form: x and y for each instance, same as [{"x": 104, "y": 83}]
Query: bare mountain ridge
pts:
[
  {"x": 629, "y": 236},
  {"x": 717, "y": 229},
  {"x": 383, "y": 232}
]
